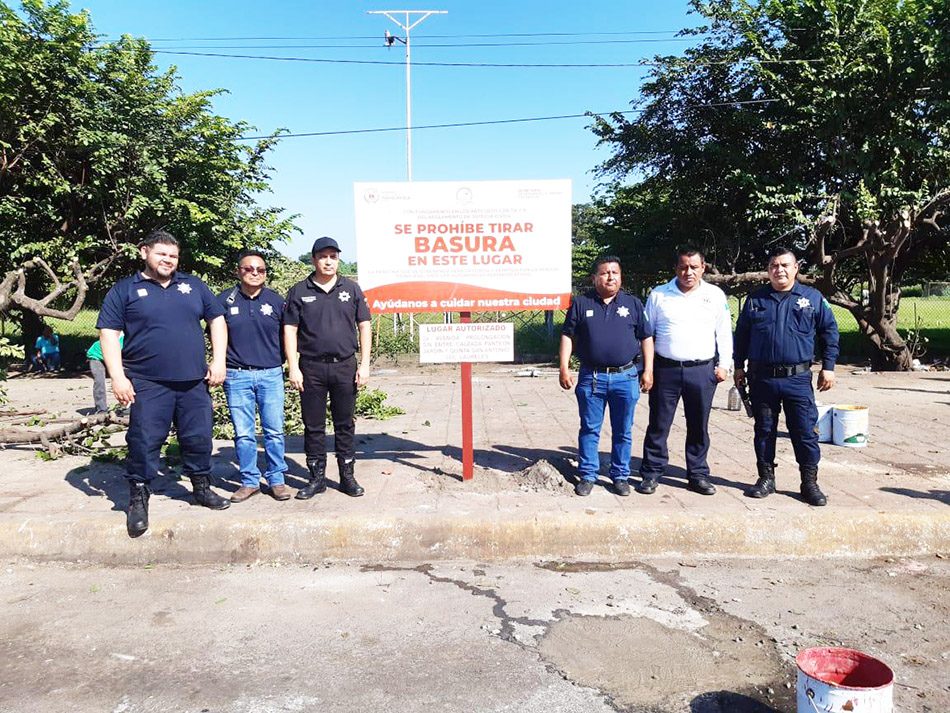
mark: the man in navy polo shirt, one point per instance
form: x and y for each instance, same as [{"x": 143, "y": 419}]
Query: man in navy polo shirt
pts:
[
  {"x": 255, "y": 377},
  {"x": 608, "y": 331},
  {"x": 325, "y": 321},
  {"x": 776, "y": 332},
  {"x": 160, "y": 370},
  {"x": 692, "y": 334}
]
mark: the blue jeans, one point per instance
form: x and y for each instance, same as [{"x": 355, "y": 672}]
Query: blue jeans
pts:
[
  {"x": 261, "y": 390},
  {"x": 595, "y": 392}
]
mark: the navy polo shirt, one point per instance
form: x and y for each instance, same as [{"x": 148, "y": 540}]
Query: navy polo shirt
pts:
[
  {"x": 782, "y": 328},
  {"x": 164, "y": 339},
  {"x": 326, "y": 321},
  {"x": 606, "y": 334},
  {"x": 253, "y": 328}
]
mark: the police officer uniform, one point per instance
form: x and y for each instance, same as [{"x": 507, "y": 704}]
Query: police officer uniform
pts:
[
  {"x": 606, "y": 339},
  {"x": 776, "y": 333},
  {"x": 692, "y": 334},
  {"x": 327, "y": 342},
  {"x": 255, "y": 383},
  {"x": 163, "y": 354}
]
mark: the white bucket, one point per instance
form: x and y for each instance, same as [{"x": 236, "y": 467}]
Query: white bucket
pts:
[
  {"x": 850, "y": 426},
  {"x": 824, "y": 423},
  {"x": 832, "y": 680}
]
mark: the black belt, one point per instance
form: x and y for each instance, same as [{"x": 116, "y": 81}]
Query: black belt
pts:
[
  {"x": 327, "y": 359},
  {"x": 614, "y": 369},
  {"x": 672, "y": 362},
  {"x": 251, "y": 368},
  {"x": 760, "y": 369}
]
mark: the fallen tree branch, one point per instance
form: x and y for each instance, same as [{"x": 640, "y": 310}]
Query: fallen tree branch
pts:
[{"x": 9, "y": 437}]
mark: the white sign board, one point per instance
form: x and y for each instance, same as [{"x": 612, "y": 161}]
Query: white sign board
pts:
[
  {"x": 466, "y": 342},
  {"x": 469, "y": 246}
]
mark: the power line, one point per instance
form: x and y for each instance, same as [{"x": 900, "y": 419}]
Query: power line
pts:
[
  {"x": 426, "y": 37},
  {"x": 456, "y": 45},
  {"x": 496, "y": 122}
]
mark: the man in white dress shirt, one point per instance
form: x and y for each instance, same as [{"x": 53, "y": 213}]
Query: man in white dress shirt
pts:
[{"x": 692, "y": 329}]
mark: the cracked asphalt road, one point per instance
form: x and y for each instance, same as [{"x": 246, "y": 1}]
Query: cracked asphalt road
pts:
[{"x": 653, "y": 636}]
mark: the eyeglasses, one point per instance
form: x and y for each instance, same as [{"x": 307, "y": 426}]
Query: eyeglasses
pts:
[{"x": 254, "y": 270}]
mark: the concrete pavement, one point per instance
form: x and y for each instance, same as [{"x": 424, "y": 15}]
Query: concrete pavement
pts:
[{"x": 891, "y": 498}]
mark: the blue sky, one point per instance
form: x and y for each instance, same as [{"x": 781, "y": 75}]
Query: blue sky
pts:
[{"x": 313, "y": 176}]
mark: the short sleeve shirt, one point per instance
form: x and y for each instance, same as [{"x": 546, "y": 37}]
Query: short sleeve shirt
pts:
[
  {"x": 47, "y": 346},
  {"x": 164, "y": 338},
  {"x": 606, "y": 334},
  {"x": 326, "y": 321},
  {"x": 253, "y": 328}
]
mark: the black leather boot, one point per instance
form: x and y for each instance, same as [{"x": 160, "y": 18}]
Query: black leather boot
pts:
[
  {"x": 348, "y": 483},
  {"x": 205, "y": 496},
  {"x": 318, "y": 479},
  {"x": 765, "y": 485},
  {"x": 136, "y": 521},
  {"x": 810, "y": 491}
]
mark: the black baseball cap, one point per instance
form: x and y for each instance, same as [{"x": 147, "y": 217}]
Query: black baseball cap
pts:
[{"x": 324, "y": 242}]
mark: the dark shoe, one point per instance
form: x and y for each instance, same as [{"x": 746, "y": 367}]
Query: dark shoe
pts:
[
  {"x": 280, "y": 492},
  {"x": 318, "y": 480},
  {"x": 647, "y": 486},
  {"x": 584, "y": 487},
  {"x": 205, "y": 496},
  {"x": 622, "y": 488},
  {"x": 136, "y": 521},
  {"x": 765, "y": 485},
  {"x": 243, "y": 493},
  {"x": 809, "y": 490},
  {"x": 701, "y": 485},
  {"x": 348, "y": 482}
]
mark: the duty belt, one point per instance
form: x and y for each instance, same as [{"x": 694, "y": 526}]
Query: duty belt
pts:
[
  {"x": 615, "y": 369},
  {"x": 663, "y": 361},
  {"x": 760, "y": 369}
]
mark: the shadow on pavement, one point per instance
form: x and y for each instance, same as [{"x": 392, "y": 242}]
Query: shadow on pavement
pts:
[
  {"x": 942, "y": 496},
  {"x": 108, "y": 479},
  {"x": 728, "y": 702}
]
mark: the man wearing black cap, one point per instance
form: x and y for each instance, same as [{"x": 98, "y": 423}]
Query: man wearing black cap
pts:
[{"x": 324, "y": 314}]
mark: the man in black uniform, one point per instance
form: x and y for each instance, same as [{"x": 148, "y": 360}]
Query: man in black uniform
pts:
[
  {"x": 776, "y": 332},
  {"x": 160, "y": 370},
  {"x": 323, "y": 316}
]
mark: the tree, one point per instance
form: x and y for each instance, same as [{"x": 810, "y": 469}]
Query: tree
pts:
[
  {"x": 97, "y": 149},
  {"x": 819, "y": 124}
]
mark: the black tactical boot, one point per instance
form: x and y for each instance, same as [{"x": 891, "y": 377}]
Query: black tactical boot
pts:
[
  {"x": 810, "y": 491},
  {"x": 765, "y": 485},
  {"x": 136, "y": 521},
  {"x": 318, "y": 479},
  {"x": 205, "y": 496},
  {"x": 348, "y": 483}
]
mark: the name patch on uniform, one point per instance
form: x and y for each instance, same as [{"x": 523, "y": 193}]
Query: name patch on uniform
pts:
[
  {"x": 308, "y": 299},
  {"x": 142, "y": 292},
  {"x": 589, "y": 313},
  {"x": 235, "y": 310}
]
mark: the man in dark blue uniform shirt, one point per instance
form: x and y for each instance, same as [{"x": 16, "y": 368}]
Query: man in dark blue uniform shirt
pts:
[
  {"x": 326, "y": 319},
  {"x": 776, "y": 332},
  {"x": 161, "y": 370},
  {"x": 255, "y": 377},
  {"x": 608, "y": 331}
]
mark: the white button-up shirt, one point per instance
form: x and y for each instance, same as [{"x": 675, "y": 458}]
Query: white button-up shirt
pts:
[{"x": 691, "y": 326}]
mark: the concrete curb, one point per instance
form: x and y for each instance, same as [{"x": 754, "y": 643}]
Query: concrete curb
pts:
[{"x": 599, "y": 536}]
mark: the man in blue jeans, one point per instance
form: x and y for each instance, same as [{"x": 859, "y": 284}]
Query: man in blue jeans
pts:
[
  {"x": 608, "y": 331},
  {"x": 255, "y": 376}
]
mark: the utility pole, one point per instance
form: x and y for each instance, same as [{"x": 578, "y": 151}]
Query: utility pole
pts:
[{"x": 406, "y": 25}]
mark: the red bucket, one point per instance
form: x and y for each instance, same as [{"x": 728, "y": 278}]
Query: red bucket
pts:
[{"x": 833, "y": 680}]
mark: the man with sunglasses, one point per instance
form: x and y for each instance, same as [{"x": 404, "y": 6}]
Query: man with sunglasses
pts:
[{"x": 255, "y": 376}]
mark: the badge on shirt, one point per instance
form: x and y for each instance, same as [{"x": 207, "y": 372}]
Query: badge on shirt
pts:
[
  {"x": 266, "y": 310},
  {"x": 142, "y": 292},
  {"x": 589, "y": 313},
  {"x": 184, "y": 288},
  {"x": 235, "y": 310},
  {"x": 804, "y": 303},
  {"x": 309, "y": 298},
  {"x": 622, "y": 311},
  {"x": 344, "y": 296}
]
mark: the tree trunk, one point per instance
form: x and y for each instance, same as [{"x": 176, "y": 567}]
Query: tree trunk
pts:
[{"x": 878, "y": 319}]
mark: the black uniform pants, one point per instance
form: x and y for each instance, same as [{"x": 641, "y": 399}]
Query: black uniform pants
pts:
[{"x": 338, "y": 381}]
